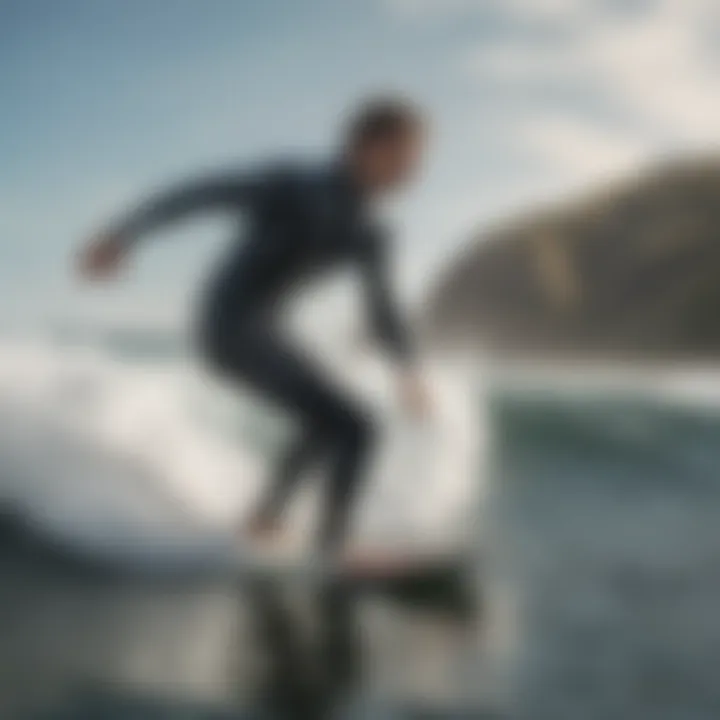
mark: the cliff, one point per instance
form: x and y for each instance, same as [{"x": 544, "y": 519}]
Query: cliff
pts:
[{"x": 632, "y": 270}]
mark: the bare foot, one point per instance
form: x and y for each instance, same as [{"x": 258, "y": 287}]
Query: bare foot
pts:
[
  {"x": 373, "y": 562},
  {"x": 261, "y": 530}
]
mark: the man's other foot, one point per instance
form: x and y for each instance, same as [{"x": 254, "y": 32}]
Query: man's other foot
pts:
[
  {"x": 376, "y": 563},
  {"x": 262, "y": 530}
]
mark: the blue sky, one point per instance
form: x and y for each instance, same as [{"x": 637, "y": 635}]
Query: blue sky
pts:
[{"x": 104, "y": 99}]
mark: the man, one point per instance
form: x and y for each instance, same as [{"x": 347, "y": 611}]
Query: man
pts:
[{"x": 300, "y": 221}]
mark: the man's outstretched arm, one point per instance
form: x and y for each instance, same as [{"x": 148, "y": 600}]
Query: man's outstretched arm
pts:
[
  {"x": 231, "y": 191},
  {"x": 105, "y": 252}
]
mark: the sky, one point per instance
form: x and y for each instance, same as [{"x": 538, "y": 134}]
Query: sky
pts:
[{"x": 532, "y": 101}]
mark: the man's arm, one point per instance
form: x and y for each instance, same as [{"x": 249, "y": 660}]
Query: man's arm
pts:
[
  {"x": 392, "y": 329},
  {"x": 385, "y": 318},
  {"x": 105, "y": 252},
  {"x": 229, "y": 191}
]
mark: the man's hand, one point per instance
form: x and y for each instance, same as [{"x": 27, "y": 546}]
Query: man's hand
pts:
[
  {"x": 102, "y": 258},
  {"x": 415, "y": 395}
]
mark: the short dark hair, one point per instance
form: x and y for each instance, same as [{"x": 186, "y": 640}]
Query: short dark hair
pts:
[{"x": 381, "y": 118}]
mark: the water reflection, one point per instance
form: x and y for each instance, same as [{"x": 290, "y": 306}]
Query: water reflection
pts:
[
  {"x": 306, "y": 674},
  {"x": 77, "y": 645}
]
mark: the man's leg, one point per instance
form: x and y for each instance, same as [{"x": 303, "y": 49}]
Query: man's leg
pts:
[
  {"x": 333, "y": 425},
  {"x": 352, "y": 445},
  {"x": 305, "y": 450},
  {"x": 342, "y": 437}
]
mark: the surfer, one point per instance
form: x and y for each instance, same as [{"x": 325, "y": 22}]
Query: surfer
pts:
[{"x": 299, "y": 221}]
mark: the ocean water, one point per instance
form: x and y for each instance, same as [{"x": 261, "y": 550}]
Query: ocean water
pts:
[
  {"x": 585, "y": 503},
  {"x": 608, "y": 508}
]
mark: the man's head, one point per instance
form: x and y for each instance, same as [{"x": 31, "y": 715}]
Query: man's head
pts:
[{"x": 384, "y": 143}]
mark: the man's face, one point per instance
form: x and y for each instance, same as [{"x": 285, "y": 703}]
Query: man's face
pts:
[{"x": 389, "y": 163}]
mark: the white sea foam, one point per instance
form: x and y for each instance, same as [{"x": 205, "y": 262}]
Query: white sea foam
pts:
[
  {"x": 678, "y": 385},
  {"x": 155, "y": 463}
]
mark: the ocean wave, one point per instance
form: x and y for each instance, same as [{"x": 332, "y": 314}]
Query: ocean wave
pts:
[{"x": 154, "y": 464}]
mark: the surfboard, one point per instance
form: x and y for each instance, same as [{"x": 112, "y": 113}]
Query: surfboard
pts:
[{"x": 361, "y": 567}]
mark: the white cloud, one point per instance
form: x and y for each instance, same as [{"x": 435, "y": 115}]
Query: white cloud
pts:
[
  {"x": 653, "y": 71},
  {"x": 661, "y": 68},
  {"x": 579, "y": 148},
  {"x": 596, "y": 83}
]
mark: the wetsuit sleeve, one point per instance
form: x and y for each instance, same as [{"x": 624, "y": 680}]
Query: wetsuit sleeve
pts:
[
  {"x": 229, "y": 191},
  {"x": 387, "y": 322}
]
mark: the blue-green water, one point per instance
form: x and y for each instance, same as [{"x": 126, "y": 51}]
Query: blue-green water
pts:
[{"x": 608, "y": 511}]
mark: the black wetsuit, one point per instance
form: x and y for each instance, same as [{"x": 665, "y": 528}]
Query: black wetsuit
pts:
[{"x": 299, "y": 222}]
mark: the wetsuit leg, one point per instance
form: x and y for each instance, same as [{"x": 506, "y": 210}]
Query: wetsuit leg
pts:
[
  {"x": 304, "y": 451},
  {"x": 333, "y": 424}
]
